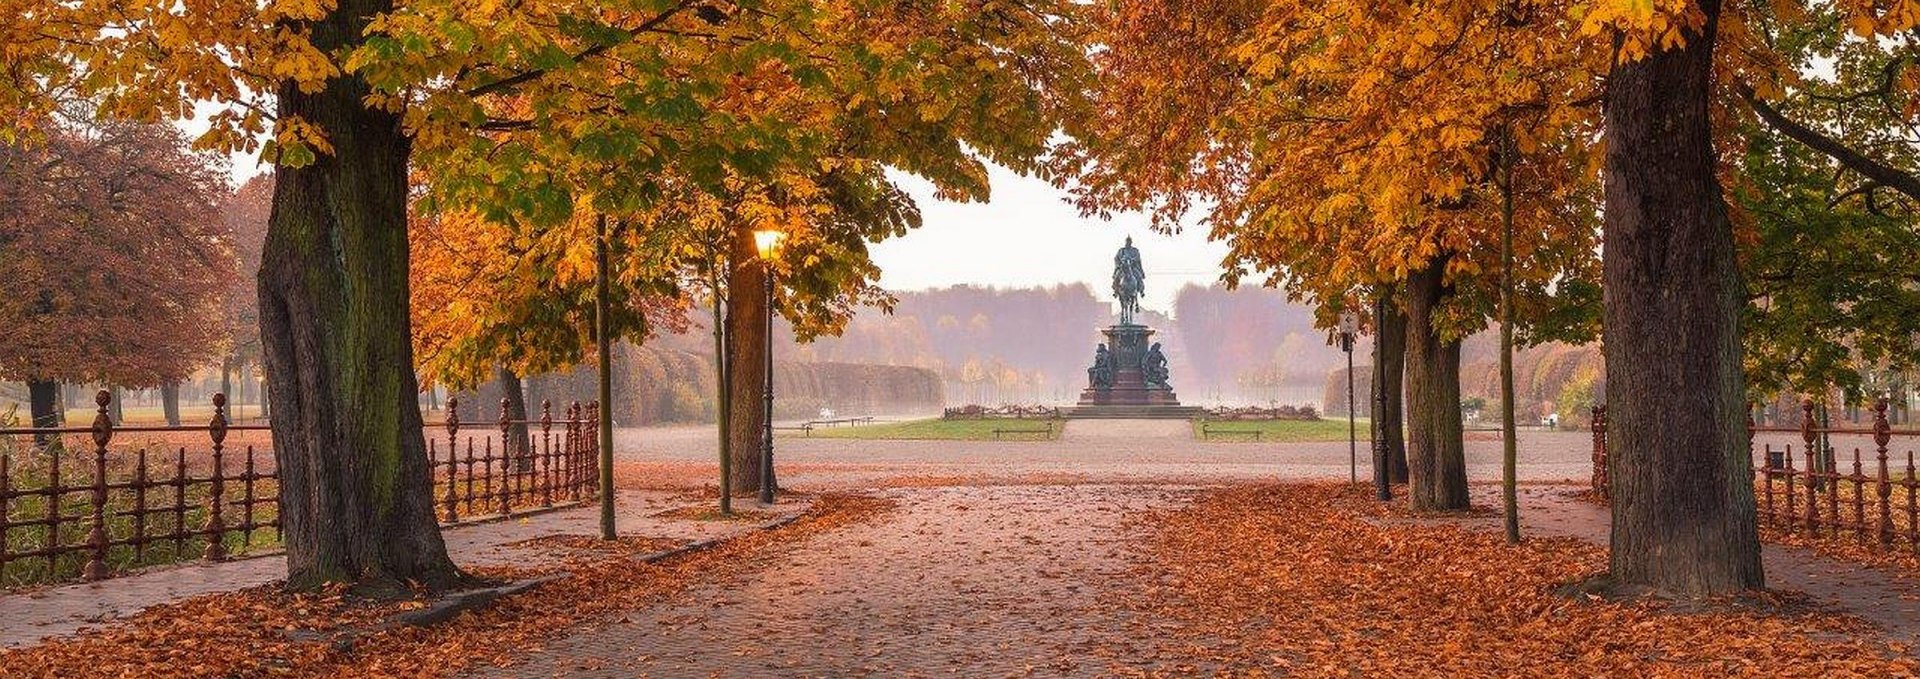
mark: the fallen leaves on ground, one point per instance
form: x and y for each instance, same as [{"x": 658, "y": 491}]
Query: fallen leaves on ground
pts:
[
  {"x": 243, "y": 634},
  {"x": 1309, "y": 580},
  {"x": 1901, "y": 559},
  {"x": 579, "y": 544},
  {"x": 711, "y": 513}
]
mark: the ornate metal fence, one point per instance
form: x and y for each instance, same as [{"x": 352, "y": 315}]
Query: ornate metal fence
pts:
[
  {"x": 92, "y": 502},
  {"x": 1869, "y": 494}
]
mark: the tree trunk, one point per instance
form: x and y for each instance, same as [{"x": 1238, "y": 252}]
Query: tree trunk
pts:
[
  {"x": 1436, "y": 448},
  {"x": 117, "y": 407},
  {"x": 513, "y": 402},
  {"x": 1391, "y": 420},
  {"x": 226, "y": 378},
  {"x": 746, "y": 328},
  {"x": 1509, "y": 436},
  {"x": 170, "y": 403},
  {"x": 43, "y": 405},
  {"x": 723, "y": 406},
  {"x": 1683, "y": 513},
  {"x": 355, "y": 500}
]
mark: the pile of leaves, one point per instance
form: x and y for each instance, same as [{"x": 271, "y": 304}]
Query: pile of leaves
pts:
[
  {"x": 265, "y": 632},
  {"x": 1319, "y": 580}
]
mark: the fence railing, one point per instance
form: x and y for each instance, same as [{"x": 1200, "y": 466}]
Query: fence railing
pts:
[
  {"x": 1874, "y": 496},
  {"x": 92, "y": 502}
]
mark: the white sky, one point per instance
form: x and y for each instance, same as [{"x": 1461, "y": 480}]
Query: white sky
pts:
[{"x": 1027, "y": 235}]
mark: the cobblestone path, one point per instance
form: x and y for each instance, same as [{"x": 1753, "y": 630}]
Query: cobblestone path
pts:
[{"x": 961, "y": 581}]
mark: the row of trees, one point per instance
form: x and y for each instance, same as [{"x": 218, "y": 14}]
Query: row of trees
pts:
[
  {"x": 1466, "y": 162},
  {"x": 1441, "y": 158},
  {"x": 118, "y": 266},
  {"x": 495, "y": 143}
]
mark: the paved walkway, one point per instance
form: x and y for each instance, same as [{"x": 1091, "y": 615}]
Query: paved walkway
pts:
[
  {"x": 999, "y": 581},
  {"x": 32, "y": 616}
]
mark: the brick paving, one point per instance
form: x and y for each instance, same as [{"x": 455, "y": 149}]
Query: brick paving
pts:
[
  {"x": 971, "y": 581},
  {"x": 55, "y": 611}
]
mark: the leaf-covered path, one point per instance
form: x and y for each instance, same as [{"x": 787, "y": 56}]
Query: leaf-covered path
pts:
[{"x": 976, "y": 581}]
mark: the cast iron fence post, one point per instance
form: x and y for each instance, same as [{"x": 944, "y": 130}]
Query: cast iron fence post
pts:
[
  {"x": 216, "y": 496},
  {"x": 96, "y": 567}
]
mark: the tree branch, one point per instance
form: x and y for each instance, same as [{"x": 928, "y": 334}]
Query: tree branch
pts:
[
  {"x": 524, "y": 77},
  {"x": 1874, "y": 170}
]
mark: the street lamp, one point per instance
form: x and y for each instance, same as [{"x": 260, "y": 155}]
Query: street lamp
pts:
[
  {"x": 1350, "y": 327},
  {"x": 767, "y": 241}
]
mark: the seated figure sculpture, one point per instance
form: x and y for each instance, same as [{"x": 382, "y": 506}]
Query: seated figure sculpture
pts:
[
  {"x": 1100, "y": 376},
  {"x": 1153, "y": 367}
]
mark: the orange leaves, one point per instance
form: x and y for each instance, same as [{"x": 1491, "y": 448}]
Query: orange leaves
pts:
[
  {"x": 1318, "y": 580},
  {"x": 243, "y": 634},
  {"x": 1644, "y": 26}
]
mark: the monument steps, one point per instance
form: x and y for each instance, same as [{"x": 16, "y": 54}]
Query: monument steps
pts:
[{"x": 1131, "y": 412}]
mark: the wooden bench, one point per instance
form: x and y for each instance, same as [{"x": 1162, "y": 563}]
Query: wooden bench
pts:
[
  {"x": 999, "y": 432},
  {"x": 1207, "y": 432},
  {"x": 806, "y": 427}
]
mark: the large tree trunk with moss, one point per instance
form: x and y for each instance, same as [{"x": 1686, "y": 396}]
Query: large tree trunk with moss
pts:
[
  {"x": 746, "y": 326},
  {"x": 1683, "y": 514},
  {"x": 513, "y": 402},
  {"x": 1436, "y": 448},
  {"x": 355, "y": 501},
  {"x": 1390, "y": 422}
]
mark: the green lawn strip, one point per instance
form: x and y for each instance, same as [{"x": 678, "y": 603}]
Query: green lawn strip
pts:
[
  {"x": 947, "y": 430},
  {"x": 1278, "y": 431}
]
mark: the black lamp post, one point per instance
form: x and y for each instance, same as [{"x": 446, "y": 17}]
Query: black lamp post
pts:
[
  {"x": 768, "y": 243},
  {"x": 1349, "y": 328}
]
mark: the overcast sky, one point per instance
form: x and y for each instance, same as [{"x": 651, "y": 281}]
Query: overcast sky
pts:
[{"x": 1027, "y": 236}]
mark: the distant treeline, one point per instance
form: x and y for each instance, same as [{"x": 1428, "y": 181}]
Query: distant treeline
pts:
[
  {"x": 657, "y": 385},
  {"x": 1552, "y": 378}
]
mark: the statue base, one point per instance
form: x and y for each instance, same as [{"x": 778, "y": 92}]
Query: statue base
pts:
[{"x": 1129, "y": 343}]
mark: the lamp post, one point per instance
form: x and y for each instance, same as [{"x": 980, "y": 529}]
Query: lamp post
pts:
[
  {"x": 768, "y": 243},
  {"x": 1349, "y": 327}
]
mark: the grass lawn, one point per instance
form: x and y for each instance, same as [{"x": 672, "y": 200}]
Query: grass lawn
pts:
[
  {"x": 948, "y": 430},
  {"x": 1279, "y": 431}
]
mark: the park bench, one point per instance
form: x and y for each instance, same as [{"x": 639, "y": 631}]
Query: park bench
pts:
[
  {"x": 1208, "y": 431},
  {"x": 804, "y": 427},
  {"x": 1046, "y": 431},
  {"x": 808, "y": 426}
]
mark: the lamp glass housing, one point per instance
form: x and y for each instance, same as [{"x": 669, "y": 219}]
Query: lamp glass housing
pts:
[{"x": 767, "y": 241}]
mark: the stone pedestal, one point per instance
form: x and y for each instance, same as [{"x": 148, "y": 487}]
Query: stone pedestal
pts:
[{"x": 1129, "y": 344}]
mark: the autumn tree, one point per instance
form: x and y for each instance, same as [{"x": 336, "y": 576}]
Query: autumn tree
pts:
[
  {"x": 245, "y": 214},
  {"x": 353, "y": 93},
  {"x": 492, "y": 304},
  {"x": 114, "y": 261},
  {"x": 1346, "y": 151},
  {"x": 1828, "y": 273}
]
